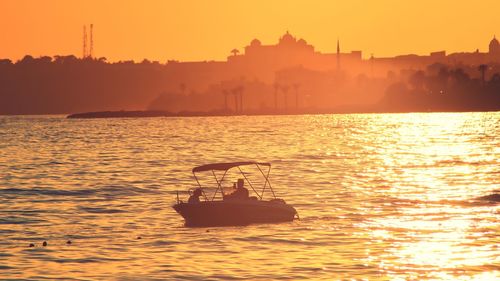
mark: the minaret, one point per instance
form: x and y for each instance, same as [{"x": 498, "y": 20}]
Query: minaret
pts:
[
  {"x": 338, "y": 54},
  {"x": 372, "y": 59}
]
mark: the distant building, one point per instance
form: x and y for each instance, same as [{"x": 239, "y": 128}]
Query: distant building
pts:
[
  {"x": 263, "y": 61},
  {"x": 438, "y": 55},
  {"x": 494, "y": 48},
  {"x": 411, "y": 61}
]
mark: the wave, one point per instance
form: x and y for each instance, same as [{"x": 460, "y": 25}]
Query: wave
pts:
[
  {"x": 462, "y": 162},
  {"x": 449, "y": 162},
  {"x": 274, "y": 240},
  {"x": 46, "y": 191},
  {"x": 5, "y": 267},
  {"x": 113, "y": 190},
  {"x": 477, "y": 201},
  {"x": 19, "y": 220},
  {"x": 86, "y": 260},
  {"x": 97, "y": 210}
]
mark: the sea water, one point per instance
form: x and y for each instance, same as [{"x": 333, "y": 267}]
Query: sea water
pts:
[{"x": 380, "y": 197}]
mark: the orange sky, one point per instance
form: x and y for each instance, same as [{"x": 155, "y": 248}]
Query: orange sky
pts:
[{"x": 191, "y": 30}]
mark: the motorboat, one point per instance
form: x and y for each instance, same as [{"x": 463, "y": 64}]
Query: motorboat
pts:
[{"x": 218, "y": 208}]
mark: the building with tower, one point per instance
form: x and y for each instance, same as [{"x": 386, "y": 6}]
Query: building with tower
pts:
[
  {"x": 494, "y": 47},
  {"x": 264, "y": 60}
]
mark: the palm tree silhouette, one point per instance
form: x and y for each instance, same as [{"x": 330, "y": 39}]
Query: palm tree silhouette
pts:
[
  {"x": 276, "y": 88},
  {"x": 234, "y": 91},
  {"x": 182, "y": 87},
  {"x": 240, "y": 91},
  {"x": 235, "y": 52},
  {"x": 225, "y": 93},
  {"x": 482, "y": 68},
  {"x": 296, "y": 88},
  {"x": 417, "y": 80},
  {"x": 285, "y": 88}
]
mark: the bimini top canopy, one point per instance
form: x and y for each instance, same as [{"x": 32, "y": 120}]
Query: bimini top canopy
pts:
[{"x": 225, "y": 166}]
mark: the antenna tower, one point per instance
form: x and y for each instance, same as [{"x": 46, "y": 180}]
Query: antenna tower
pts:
[
  {"x": 91, "y": 52},
  {"x": 84, "y": 42}
]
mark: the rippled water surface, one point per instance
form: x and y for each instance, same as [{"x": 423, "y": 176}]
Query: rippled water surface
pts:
[{"x": 380, "y": 197}]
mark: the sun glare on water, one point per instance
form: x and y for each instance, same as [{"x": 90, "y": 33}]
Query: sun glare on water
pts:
[{"x": 437, "y": 227}]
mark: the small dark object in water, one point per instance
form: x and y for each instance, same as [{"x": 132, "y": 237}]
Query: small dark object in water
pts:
[
  {"x": 208, "y": 230},
  {"x": 139, "y": 237},
  {"x": 31, "y": 245},
  {"x": 44, "y": 243},
  {"x": 68, "y": 242}
]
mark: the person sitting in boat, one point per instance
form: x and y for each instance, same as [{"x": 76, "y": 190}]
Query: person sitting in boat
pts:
[
  {"x": 195, "y": 197},
  {"x": 239, "y": 193},
  {"x": 241, "y": 190}
]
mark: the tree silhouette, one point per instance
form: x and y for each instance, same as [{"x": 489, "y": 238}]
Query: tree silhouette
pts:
[
  {"x": 285, "y": 88},
  {"x": 460, "y": 77},
  {"x": 276, "y": 88},
  {"x": 296, "y": 87},
  {"x": 234, "y": 91},
  {"x": 225, "y": 93},
  {"x": 67, "y": 84},
  {"x": 417, "y": 80},
  {"x": 495, "y": 78},
  {"x": 235, "y": 52},
  {"x": 182, "y": 87},
  {"x": 27, "y": 60},
  {"x": 440, "y": 89},
  {"x": 4, "y": 63},
  {"x": 240, "y": 91},
  {"x": 482, "y": 68}
]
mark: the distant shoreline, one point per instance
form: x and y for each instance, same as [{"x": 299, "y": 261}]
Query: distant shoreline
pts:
[{"x": 157, "y": 113}]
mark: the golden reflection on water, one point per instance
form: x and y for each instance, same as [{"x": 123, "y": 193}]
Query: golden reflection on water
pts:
[
  {"x": 380, "y": 196},
  {"x": 436, "y": 236}
]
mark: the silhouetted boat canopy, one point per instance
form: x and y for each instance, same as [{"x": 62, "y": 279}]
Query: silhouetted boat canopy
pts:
[{"x": 226, "y": 166}]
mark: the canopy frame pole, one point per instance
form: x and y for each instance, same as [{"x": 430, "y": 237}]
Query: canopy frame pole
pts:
[
  {"x": 199, "y": 184},
  {"x": 267, "y": 181},
  {"x": 219, "y": 184},
  {"x": 221, "y": 180},
  {"x": 260, "y": 197}
]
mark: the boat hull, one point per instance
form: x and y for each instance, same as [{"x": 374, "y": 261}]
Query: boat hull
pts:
[{"x": 234, "y": 212}]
